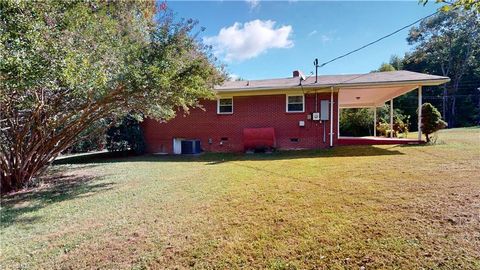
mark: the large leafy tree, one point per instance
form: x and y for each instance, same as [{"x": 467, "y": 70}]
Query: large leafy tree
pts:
[
  {"x": 447, "y": 44},
  {"x": 456, "y": 4},
  {"x": 67, "y": 64},
  {"x": 386, "y": 67}
]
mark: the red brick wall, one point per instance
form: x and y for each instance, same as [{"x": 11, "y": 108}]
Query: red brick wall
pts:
[{"x": 248, "y": 112}]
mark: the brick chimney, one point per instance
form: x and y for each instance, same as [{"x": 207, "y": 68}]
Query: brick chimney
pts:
[{"x": 297, "y": 73}]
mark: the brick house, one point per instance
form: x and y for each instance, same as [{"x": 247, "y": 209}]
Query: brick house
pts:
[{"x": 287, "y": 113}]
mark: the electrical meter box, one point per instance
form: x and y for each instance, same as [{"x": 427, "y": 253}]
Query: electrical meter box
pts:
[
  {"x": 324, "y": 109},
  {"x": 316, "y": 116}
]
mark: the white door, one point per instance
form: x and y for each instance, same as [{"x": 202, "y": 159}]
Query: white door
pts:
[{"x": 177, "y": 146}]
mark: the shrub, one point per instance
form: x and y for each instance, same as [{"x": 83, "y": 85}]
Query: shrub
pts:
[
  {"x": 399, "y": 126},
  {"x": 127, "y": 136},
  {"x": 431, "y": 120},
  {"x": 382, "y": 129}
]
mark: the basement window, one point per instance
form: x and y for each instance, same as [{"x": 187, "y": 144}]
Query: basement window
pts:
[
  {"x": 225, "y": 106},
  {"x": 294, "y": 139},
  {"x": 295, "y": 103}
]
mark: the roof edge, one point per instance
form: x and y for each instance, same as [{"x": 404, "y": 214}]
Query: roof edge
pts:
[{"x": 430, "y": 82}]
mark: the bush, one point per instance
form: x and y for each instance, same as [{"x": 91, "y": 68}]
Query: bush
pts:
[
  {"x": 383, "y": 128},
  {"x": 399, "y": 126},
  {"x": 127, "y": 136},
  {"x": 431, "y": 120}
]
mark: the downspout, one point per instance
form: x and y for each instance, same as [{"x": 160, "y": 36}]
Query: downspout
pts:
[
  {"x": 324, "y": 133},
  {"x": 338, "y": 116},
  {"x": 331, "y": 117}
]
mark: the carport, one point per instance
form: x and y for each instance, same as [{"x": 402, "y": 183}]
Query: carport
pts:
[{"x": 373, "y": 90}]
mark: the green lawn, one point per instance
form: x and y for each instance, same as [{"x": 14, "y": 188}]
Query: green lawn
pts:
[{"x": 403, "y": 207}]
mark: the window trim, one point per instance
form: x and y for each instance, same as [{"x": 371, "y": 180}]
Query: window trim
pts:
[
  {"x": 218, "y": 105},
  {"x": 295, "y": 95}
]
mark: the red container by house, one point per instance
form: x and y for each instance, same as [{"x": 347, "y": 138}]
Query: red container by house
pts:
[{"x": 258, "y": 138}]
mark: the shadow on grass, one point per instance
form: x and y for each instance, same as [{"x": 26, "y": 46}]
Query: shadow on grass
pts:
[
  {"x": 60, "y": 187},
  {"x": 218, "y": 158},
  {"x": 103, "y": 157},
  {"x": 417, "y": 145}
]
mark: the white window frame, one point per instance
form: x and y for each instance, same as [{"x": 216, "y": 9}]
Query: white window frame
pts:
[
  {"x": 295, "y": 95},
  {"x": 218, "y": 105}
]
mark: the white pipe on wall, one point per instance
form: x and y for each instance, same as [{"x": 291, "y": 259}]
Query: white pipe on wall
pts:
[
  {"x": 338, "y": 118},
  {"x": 419, "y": 113},
  {"x": 391, "y": 118}
]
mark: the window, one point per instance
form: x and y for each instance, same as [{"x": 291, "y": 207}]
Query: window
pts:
[
  {"x": 295, "y": 103},
  {"x": 225, "y": 106}
]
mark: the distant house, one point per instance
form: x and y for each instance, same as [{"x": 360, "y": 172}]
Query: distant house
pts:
[{"x": 287, "y": 113}]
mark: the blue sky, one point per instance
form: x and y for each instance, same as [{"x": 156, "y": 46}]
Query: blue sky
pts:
[{"x": 270, "y": 39}]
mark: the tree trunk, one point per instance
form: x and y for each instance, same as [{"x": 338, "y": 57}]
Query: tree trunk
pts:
[
  {"x": 453, "y": 113},
  {"x": 16, "y": 179},
  {"x": 445, "y": 72},
  {"x": 478, "y": 121},
  {"x": 444, "y": 102},
  {"x": 31, "y": 140},
  {"x": 456, "y": 84},
  {"x": 31, "y": 149}
]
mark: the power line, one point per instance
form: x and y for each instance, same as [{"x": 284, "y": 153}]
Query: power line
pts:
[{"x": 382, "y": 38}]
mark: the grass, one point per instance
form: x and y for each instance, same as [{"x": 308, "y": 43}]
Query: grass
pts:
[{"x": 396, "y": 207}]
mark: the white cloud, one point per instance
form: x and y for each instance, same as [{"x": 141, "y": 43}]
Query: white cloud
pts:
[
  {"x": 253, "y": 3},
  {"x": 325, "y": 38},
  {"x": 314, "y": 32},
  {"x": 244, "y": 41},
  {"x": 233, "y": 77}
]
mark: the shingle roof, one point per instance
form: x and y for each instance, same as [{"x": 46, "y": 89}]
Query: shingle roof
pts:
[{"x": 375, "y": 78}]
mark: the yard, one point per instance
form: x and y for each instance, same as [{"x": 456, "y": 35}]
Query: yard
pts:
[{"x": 405, "y": 207}]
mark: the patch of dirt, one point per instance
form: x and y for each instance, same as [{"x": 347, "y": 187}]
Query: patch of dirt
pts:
[{"x": 52, "y": 179}]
